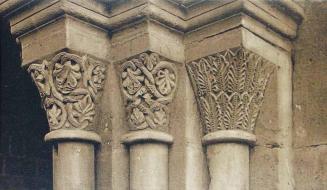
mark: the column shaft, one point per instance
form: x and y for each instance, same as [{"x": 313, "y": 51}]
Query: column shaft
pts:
[
  {"x": 149, "y": 166},
  {"x": 148, "y": 159},
  {"x": 73, "y": 159},
  {"x": 228, "y": 166},
  {"x": 228, "y": 159},
  {"x": 73, "y": 166}
]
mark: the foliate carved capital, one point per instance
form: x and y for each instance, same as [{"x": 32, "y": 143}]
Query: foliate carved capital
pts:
[
  {"x": 148, "y": 85},
  {"x": 68, "y": 86},
  {"x": 230, "y": 88}
]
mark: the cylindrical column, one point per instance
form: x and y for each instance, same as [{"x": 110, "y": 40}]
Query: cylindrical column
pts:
[
  {"x": 228, "y": 159},
  {"x": 148, "y": 159},
  {"x": 73, "y": 159},
  {"x": 149, "y": 166}
]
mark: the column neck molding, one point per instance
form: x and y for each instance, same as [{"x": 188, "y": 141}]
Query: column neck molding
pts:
[
  {"x": 69, "y": 86},
  {"x": 185, "y": 16},
  {"x": 147, "y": 136}
]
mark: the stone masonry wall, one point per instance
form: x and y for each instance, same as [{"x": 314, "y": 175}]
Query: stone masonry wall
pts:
[{"x": 310, "y": 99}]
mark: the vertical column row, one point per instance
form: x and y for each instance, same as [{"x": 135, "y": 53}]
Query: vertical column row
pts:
[
  {"x": 148, "y": 86},
  {"x": 69, "y": 85},
  {"x": 230, "y": 88}
]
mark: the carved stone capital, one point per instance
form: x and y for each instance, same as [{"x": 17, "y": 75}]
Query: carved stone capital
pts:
[
  {"x": 230, "y": 87},
  {"x": 148, "y": 84},
  {"x": 69, "y": 85}
]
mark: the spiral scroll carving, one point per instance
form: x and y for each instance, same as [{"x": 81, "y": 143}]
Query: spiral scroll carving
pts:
[
  {"x": 68, "y": 86},
  {"x": 148, "y": 85}
]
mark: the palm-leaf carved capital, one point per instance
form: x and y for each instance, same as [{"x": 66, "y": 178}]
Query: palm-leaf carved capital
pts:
[{"x": 230, "y": 88}]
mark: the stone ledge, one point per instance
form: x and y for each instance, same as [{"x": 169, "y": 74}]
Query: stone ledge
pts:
[
  {"x": 146, "y": 136},
  {"x": 72, "y": 135},
  {"x": 229, "y": 136},
  {"x": 281, "y": 17}
]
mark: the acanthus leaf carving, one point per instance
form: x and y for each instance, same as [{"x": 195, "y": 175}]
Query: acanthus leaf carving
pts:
[
  {"x": 68, "y": 86},
  {"x": 230, "y": 88},
  {"x": 148, "y": 85}
]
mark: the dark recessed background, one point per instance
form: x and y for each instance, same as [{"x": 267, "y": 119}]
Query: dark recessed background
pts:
[{"x": 25, "y": 160}]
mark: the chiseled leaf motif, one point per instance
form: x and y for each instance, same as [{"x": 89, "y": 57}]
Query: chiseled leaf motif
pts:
[
  {"x": 67, "y": 74},
  {"x": 148, "y": 84},
  {"x": 68, "y": 85},
  {"x": 82, "y": 112},
  {"x": 54, "y": 113},
  {"x": 230, "y": 88}
]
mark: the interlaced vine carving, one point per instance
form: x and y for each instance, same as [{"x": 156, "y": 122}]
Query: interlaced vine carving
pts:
[
  {"x": 148, "y": 85},
  {"x": 230, "y": 88},
  {"x": 68, "y": 86}
]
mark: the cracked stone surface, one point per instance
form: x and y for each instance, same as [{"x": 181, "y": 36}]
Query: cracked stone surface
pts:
[{"x": 310, "y": 132}]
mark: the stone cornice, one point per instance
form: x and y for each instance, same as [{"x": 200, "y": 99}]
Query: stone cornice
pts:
[
  {"x": 290, "y": 5},
  {"x": 281, "y": 16},
  {"x": 6, "y": 6}
]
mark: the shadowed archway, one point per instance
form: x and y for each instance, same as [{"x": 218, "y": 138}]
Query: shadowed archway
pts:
[{"x": 25, "y": 160}]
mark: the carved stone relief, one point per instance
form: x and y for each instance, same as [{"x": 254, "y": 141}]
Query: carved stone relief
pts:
[
  {"x": 68, "y": 86},
  {"x": 230, "y": 88},
  {"x": 148, "y": 85}
]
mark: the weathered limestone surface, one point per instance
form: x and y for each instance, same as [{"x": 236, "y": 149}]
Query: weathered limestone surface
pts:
[
  {"x": 63, "y": 58},
  {"x": 69, "y": 159},
  {"x": 310, "y": 100},
  {"x": 267, "y": 145},
  {"x": 164, "y": 120},
  {"x": 149, "y": 166},
  {"x": 274, "y": 120},
  {"x": 68, "y": 85},
  {"x": 222, "y": 157}
]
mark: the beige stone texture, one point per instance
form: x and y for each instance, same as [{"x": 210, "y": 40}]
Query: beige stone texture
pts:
[
  {"x": 148, "y": 159},
  {"x": 310, "y": 167},
  {"x": 309, "y": 84},
  {"x": 146, "y": 36},
  {"x": 287, "y": 149},
  {"x": 309, "y": 78},
  {"x": 73, "y": 166},
  {"x": 264, "y": 175},
  {"x": 148, "y": 166},
  {"x": 233, "y": 159},
  {"x": 273, "y": 126},
  {"x": 66, "y": 33},
  {"x": 112, "y": 160},
  {"x": 187, "y": 161}
]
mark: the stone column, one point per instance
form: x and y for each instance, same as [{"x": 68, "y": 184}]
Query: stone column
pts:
[
  {"x": 148, "y": 159},
  {"x": 68, "y": 85},
  {"x": 65, "y": 57},
  {"x": 148, "y": 85},
  {"x": 228, "y": 158},
  {"x": 230, "y": 49},
  {"x": 73, "y": 159},
  {"x": 230, "y": 88},
  {"x": 230, "y": 62}
]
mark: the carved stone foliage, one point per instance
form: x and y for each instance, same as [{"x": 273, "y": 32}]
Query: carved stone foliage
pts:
[
  {"x": 68, "y": 85},
  {"x": 148, "y": 84},
  {"x": 230, "y": 88}
]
